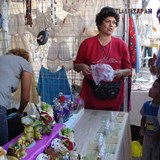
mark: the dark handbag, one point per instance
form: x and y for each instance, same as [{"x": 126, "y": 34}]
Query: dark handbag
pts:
[{"x": 105, "y": 90}]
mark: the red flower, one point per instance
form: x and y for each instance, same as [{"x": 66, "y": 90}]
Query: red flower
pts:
[{"x": 45, "y": 117}]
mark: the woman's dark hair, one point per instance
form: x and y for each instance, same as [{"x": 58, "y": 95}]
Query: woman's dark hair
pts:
[{"x": 106, "y": 12}]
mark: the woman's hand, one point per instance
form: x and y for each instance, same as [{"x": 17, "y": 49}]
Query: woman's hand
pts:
[
  {"x": 86, "y": 70},
  {"x": 119, "y": 73}
]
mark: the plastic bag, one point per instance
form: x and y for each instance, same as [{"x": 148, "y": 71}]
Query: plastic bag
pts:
[{"x": 102, "y": 72}]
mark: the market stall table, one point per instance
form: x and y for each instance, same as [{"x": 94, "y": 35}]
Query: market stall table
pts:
[
  {"x": 137, "y": 100},
  {"x": 139, "y": 95},
  {"x": 92, "y": 123}
]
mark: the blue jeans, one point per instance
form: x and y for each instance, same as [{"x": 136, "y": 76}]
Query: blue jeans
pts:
[
  {"x": 3, "y": 126},
  {"x": 149, "y": 51}
]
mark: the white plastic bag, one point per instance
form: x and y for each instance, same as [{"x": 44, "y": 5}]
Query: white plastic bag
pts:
[{"x": 102, "y": 72}]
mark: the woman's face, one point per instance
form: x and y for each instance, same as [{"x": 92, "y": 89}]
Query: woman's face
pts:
[
  {"x": 154, "y": 91},
  {"x": 108, "y": 25}
]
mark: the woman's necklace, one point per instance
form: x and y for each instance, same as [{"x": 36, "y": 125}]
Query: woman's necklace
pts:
[
  {"x": 104, "y": 42},
  {"x": 105, "y": 55}
]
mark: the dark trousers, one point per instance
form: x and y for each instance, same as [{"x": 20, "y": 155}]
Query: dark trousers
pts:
[
  {"x": 147, "y": 52},
  {"x": 3, "y": 126}
]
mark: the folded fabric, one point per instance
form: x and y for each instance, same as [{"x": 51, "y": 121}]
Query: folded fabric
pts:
[{"x": 50, "y": 84}]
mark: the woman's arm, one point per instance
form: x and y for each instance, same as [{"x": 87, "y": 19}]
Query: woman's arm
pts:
[
  {"x": 26, "y": 81},
  {"x": 84, "y": 68},
  {"x": 120, "y": 73}
]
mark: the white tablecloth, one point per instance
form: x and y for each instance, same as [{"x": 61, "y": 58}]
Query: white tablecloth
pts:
[
  {"x": 92, "y": 123},
  {"x": 137, "y": 100}
]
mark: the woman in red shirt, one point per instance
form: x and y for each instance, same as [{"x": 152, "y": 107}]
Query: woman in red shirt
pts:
[{"x": 113, "y": 51}]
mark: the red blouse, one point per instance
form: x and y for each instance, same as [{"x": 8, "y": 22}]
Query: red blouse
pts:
[{"x": 116, "y": 55}]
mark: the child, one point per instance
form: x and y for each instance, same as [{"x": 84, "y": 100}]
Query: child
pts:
[{"x": 150, "y": 127}]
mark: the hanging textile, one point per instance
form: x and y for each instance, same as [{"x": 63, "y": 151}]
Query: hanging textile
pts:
[
  {"x": 28, "y": 17},
  {"x": 145, "y": 3},
  {"x": 1, "y": 21},
  {"x": 132, "y": 52},
  {"x": 137, "y": 45},
  {"x": 41, "y": 22},
  {"x": 71, "y": 6},
  {"x": 16, "y": 24},
  {"x": 53, "y": 65},
  {"x": 132, "y": 42},
  {"x": 50, "y": 84}
]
